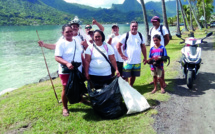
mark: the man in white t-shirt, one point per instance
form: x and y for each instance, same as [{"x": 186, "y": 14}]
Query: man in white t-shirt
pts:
[
  {"x": 164, "y": 34},
  {"x": 160, "y": 30},
  {"x": 113, "y": 39},
  {"x": 133, "y": 46}
]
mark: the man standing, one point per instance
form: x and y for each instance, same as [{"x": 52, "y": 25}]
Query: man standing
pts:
[
  {"x": 113, "y": 39},
  {"x": 160, "y": 30},
  {"x": 163, "y": 32},
  {"x": 133, "y": 46}
]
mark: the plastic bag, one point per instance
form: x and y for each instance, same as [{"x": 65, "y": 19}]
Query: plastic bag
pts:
[
  {"x": 135, "y": 102},
  {"x": 75, "y": 86},
  {"x": 107, "y": 101}
]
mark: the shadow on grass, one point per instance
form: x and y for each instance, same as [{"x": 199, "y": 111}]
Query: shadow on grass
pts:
[{"x": 91, "y": 115}]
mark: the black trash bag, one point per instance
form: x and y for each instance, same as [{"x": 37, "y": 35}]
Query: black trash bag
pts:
[
  {"x": 107, "y": 101},
  {"x": 75, "y": 87}
]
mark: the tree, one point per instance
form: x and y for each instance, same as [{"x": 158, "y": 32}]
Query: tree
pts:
[
  {"x": 183, "y": 15},
  {"x": 194, "y": 15},
  {"x": 145, "y": 22},
  {"x": 203, "y": 5},
  {"x": 191, "y": 21},
  {"x": 178, "y": 24},
  {"x": 165, "y": 17}
]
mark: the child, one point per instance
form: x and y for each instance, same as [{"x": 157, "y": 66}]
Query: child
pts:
[{"x": 157, "y": 51}]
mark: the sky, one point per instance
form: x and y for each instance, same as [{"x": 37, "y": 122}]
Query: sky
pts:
[{"x": 101, "y": 3}]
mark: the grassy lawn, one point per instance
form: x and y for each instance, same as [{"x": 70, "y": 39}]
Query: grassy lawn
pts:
[{"x": 34, "y": 109}]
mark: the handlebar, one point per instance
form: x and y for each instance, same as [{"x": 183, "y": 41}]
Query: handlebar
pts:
[
  {"x": 204, "y": 42},
  {"x": 182, "y": 42}
]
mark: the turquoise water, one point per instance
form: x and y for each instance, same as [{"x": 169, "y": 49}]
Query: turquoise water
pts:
[{"x": 21, "y": 60}]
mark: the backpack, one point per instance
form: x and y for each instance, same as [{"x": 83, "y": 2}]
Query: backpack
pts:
[
  {"x": 126, "y": 38},
  {"x": 161, "y": 30}
]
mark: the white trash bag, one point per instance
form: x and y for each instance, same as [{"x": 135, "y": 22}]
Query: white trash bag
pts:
[{"x": 135, "y": 102}]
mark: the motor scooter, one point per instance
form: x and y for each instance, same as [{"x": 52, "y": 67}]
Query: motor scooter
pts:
[{"x": 191, "y": 57}]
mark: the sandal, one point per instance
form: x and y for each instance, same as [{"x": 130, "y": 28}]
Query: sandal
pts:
[
  {"x": 65, "y": 112},
  {"x": 163, "y": 92},
  {"x": 153, "y": 91},
  {"x": 151, "y": 83}
]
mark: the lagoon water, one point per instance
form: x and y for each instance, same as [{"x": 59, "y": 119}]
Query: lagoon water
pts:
[{"x": 21, "y": 60}]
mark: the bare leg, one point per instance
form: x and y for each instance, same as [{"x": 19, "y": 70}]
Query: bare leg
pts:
[
  {"x": 161, "y": 84},
  {"x": 155, "y": 84},
  {"x": 162, "y": 76},
  {"x": 132, "y": 80},
  {"x": 64, "y": 101}
]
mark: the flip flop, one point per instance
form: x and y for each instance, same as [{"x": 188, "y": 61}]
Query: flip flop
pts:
[
  {"x": 152, "y": 92},
  {"x": 151, "y": 83},
  {"x": 163, "y": 92},
  {"x": 65, "y": 113}
]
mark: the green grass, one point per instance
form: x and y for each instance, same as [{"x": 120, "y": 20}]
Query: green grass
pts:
[{"x": 34, "y": 109}]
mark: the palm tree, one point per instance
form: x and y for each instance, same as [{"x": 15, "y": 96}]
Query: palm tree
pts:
[
  {"x": 183, "y": 15},
  {"x": 194, "y": 15},
  {"x": 165, "y": 18},
  {"x": 203, "y": 5},
  {"x": 177, "y": 12},
  {"x": 145, "y": 22},
  {"x": 191, "y": 21}
]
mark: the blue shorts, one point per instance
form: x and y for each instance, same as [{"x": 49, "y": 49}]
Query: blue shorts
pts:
[{"x": 131, "y": 70}]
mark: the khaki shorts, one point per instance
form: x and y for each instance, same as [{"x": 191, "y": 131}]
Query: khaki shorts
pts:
[{"x": 157, "y": 72}]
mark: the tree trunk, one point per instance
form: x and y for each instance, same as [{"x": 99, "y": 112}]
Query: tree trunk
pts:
[
  {"x": 191, "y": 21},
  {"x": 145, "y": 22},
  {"x": 178, "y": 24},
  {"x": 205, "y": 22},
  {"x": 194, "y": 15},
  {"x": 165, "y": 18},
  {"x": 183, "y": 15}
]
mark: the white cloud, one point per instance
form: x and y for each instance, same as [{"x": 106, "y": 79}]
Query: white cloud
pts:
[{"x": 101, "y": 3}]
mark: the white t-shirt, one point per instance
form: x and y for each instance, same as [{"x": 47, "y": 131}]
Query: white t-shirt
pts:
[
  {"x": 157, "y": 31},
  {"x": 114, "y": 42},
  {"x": 98, "y": 64},
  {"x": 66, "y": 49},
  {"x": 76, "y": 38},
  {"x": 133, "y": 50}
]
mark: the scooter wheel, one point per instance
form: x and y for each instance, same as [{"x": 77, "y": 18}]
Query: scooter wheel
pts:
[{"x": 190, "y": 79}]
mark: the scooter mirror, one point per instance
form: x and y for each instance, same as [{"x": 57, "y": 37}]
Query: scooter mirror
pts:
[
  {"x": 178, "y": 35},
  {"x": 209, "y": 34}
]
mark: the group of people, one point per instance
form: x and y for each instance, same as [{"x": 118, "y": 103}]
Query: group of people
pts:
[{"x": 100, "y": 61}]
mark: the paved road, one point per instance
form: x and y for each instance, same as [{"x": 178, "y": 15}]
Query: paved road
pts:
[{"x": 191, "y": 111}]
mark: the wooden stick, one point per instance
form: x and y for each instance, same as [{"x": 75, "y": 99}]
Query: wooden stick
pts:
[{"x": 48, "y": 69}]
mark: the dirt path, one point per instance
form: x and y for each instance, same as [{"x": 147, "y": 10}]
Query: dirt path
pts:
[{"x": 191, "y": 111}]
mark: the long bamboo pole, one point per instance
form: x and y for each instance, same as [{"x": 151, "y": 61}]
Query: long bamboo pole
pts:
[{"x": 48, "y": 69}]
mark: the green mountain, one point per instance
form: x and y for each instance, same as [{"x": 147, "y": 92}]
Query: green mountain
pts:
[
  {"x": 128, "y": 6},
  {"x": 113, "y": 15},
  {"x": 47, "y": 12},
  {"x": 30, "y": 12}
]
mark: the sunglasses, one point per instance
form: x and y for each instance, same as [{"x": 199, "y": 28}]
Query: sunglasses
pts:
[{"x": 89, "y": 27}]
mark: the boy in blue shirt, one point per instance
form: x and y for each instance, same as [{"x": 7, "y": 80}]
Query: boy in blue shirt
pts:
[{"x": 156, "y": 70}]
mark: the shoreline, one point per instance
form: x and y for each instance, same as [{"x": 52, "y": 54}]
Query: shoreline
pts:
[
  {"x": 7, "y": 90},
  {"x": 54, "y": 75}
]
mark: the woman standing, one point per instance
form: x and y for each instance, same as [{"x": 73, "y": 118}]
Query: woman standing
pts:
[
  {"x": 67, "y": 51},
  {"x": 97, "y": 67}
]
